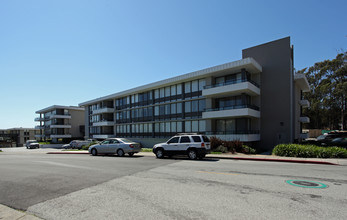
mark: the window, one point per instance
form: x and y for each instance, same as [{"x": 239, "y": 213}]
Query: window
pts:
[
  {"x": 179, "y": 126},
  {"x": 195, "y": 106},
  {"x": 187, "y": 107},
  {"x": 202, "y": 83},
  {"x": 187, "y": 87},
  {"x": 167, "y": 127},
  {"x": 156, "y": 110},
  {"x": 173, "y": 108},
  {"x": 188, "y": 126},
  {"x": 195, "y": 86},
  {"x": 179, "y": 108},
  {"x": 202, "y": 125},
  {"x": 195, "y": 126},
  {"x": 196, "y": 138},
  {"x": 162, "y": 93},
  {"x": 173, "y": 90},
  {"x": 167, "y": 91},
  {"x": 156, "y": 94},
  {"x": 167, "y": 109},
  {"x": 173, "y": 126},
  {"x": 185, "y": 139},
  {"x": 179, "y": 89},
  {"x": 173, "y": 140}
]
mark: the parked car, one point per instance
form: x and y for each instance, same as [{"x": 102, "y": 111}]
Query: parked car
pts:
[
  {"x": 195, "y": 146},
  {"x": 341, "y": 142},
  {"x": 119, "y": 146},
  {"x": 72, "y": 145},
  {"x": 326, "y": 138},
  {"x": 30, "y": 144}
]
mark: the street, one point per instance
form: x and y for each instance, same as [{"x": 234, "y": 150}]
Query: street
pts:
[{"x": 110, "y": 187}]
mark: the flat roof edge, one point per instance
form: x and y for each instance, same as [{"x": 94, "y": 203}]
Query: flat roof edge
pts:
[
  {"x": 59, "y": 107},
  {"x": 180, "y": 78}
]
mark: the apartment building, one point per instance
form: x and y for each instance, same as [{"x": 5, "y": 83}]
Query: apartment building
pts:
[
  {"x": 257, "y": 99},
  {"x": 16, "y": 137},
  {"x": 60, "y": 123}
]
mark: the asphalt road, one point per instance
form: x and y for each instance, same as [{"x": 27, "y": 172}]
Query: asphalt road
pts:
[{"x": 110, "y": 187}]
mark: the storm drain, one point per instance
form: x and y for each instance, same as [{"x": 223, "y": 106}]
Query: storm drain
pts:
[{"x": 306, "y": 184}]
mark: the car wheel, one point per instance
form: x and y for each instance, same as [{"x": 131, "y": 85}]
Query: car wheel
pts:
[
  {"x": 131, "y": 154},
  {"x": 94, "y": 152},
  {"x": 159, "y": 153},
  {"x": 120, "y": 152},
  {"x": 192, "y": 154}
]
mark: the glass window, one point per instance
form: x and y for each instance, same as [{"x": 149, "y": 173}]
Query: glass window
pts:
[
  {"x": 156, "y": 110},
  {"x": 220, "y": 80},
  {"x": 156, "y": 94},
  {"x": 167, "y": 91},
  {"x": 162, "y": 109},
  {"x": 167, "y": 127},
  {"x": 195, "y": 85},
  {"x": 167, "y": 109},
  {"x": 145, "y": 128},
  {"x": 179, "y": 108},
  {"x": 150, "y": 128},
  {"x": 173, "y": 140},
  {"x": 136, "y": 98},
  {"x": 187, "y": 87},
  {"x": 162, "y": 93},
  {"x": 141, "y": 128},
  {"x": 173, "y": 108},
  {"x": 202, "y": 105},
  {"x": 202, "y": 125},
  {"x": 230, "y": 125},
  {"x": 195, "y": 106},
  {"x": 185, "y": 139},
  {"x": 187, "y": 107},
  {"x": 188, "y": 126},
  {"x": 196, "y": 138},
  {"x": 220, "y": 125},
  {"x": 162, "y": 127},
  {"x": 195, "y": 126},
  {"x": 157, "y": 127},
  {"x": 179, "y": 89},
  {"x": 173, "y": 90},
  {"x": 179, "y": 126},
  {"x": 173, "y": 126},
  {"x": 202, "y": 83}
]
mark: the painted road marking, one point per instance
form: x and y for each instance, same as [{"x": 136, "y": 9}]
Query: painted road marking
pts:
[{"x": 217, "y": 173}]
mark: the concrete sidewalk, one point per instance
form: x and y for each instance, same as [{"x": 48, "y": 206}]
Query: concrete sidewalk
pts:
[
  {"x": 7, "y": 213},
  {"x": 256, "y": 157}
]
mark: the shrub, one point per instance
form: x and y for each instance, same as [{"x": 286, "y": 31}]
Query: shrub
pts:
[
  {"x": 86, "y": 147},
  {"x": 221, "y": 149},
  {"x": 215, "y": 142},
  {"x": 297, "y": 150},
  {"x": 248, "y": 150}
]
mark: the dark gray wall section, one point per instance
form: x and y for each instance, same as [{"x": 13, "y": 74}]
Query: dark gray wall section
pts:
[{"x": 276, "y": 83}]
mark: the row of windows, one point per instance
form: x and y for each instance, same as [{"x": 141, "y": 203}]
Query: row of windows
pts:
[
  {"x": 163, "y": 110},
  {"x": 163, "y": 127}
]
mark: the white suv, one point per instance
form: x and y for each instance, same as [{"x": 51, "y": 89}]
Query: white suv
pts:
[{"x": 196, "y": 146}]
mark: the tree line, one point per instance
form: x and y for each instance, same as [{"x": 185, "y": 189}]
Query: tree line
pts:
[{"x": 328, "y": 95}]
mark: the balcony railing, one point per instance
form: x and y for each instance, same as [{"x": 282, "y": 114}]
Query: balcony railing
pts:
[
  {"x": 233, "y": 107},
  {"x": 232, "y": 82}
]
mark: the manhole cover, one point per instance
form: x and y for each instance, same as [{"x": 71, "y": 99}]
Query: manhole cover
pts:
[{"x": 306, "y": 184}]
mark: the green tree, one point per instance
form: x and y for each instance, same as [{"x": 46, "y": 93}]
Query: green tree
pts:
[{"x": 328, "y": 96}]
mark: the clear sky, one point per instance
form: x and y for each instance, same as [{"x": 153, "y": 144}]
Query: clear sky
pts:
[{"x": 66, "y": 52}]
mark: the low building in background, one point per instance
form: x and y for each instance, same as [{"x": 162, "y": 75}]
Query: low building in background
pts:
[
  {"x": 256, "y": 100},
  {"x": 60, "y": 123},
  {"x": 16, "y": 137}
]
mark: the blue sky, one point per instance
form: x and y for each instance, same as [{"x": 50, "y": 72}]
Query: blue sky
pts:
[{"x": 67, "y": 52}]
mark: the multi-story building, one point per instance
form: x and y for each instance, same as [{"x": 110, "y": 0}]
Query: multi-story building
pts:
[
  {"x": 256, "y": 99},
  {"x": 60, "y": 123},
  {"x": 16, "y": 137}
]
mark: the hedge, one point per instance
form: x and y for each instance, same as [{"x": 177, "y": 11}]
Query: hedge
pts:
[{"x": 309, "y": 151}]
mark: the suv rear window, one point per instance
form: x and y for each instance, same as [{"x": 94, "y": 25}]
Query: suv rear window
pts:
[
  {"x": 185, "y": 139},
  {"x": 205, "y": 139},
  {"x": 196, "y": 138}
]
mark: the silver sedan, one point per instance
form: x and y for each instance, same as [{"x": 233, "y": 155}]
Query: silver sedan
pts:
[{"x": 119, "y": 146}]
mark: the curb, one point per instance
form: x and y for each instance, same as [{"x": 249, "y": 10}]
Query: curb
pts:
[
  {"x": 233, "y": 158},
  {"x": 276, "y": 160}
]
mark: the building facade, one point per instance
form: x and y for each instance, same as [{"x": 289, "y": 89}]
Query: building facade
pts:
[
  {"x": 256, "y": 100},
  {"x": 60, "y": 123},
  {"x": 16, "y": 137}
]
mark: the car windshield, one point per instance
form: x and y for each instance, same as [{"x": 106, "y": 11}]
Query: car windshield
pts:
[
  {"x": 321, "y": 137},
  {"x": 124, "y": 140},
  {"x": 31, "y": 142}
]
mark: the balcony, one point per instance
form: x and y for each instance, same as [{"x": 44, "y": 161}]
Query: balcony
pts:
[
  {"x": 60, "y": 126},
  {"x": 41, "y": 119},
  {"x": 244, "y": 136},
  {"x": 304, "y": 103},
  {"x": 103, "y": 136},
  {"x": 304, "y": 119},
  {"x": 60, "y": 136},
  {"x": 67, "y": 116},
  {"x": 103, "y": 123},
  {"x": 301, "y": 81},
  {"x": 232, "y": 111},
  {"x": 232, "y": 88},
  {"x": 103, "y": 110}
]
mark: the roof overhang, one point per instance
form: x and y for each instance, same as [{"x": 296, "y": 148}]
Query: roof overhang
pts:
[
  {"x": 53, "y": 107},
  {"x": 301, "y": 81}
]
